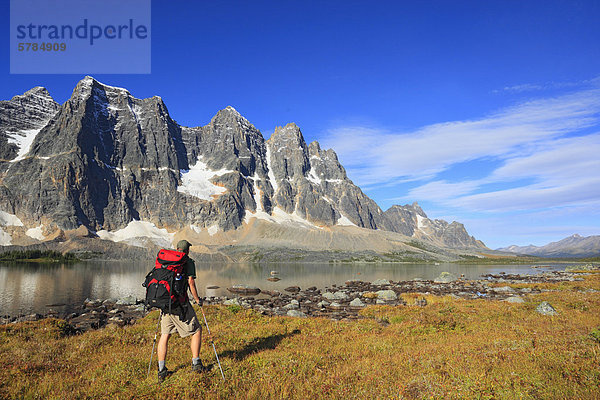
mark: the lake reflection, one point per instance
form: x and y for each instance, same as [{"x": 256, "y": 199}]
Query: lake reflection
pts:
[{"x": 34, "y": 287}]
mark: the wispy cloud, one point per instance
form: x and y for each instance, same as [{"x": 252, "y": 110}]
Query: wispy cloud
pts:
[
  {"x": 545, "y": 143},
  {"x": 563, "y": 172},
  {"x": 530, "y": 87},
  {"x": 526, "y": 87}
]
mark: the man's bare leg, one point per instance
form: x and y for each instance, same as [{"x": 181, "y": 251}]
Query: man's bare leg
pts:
[
  {"x": 162, "y": 346},
  {"x": 196, "y": 343}
]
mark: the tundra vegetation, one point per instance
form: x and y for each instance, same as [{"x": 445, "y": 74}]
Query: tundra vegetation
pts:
[{"x": 450, "y": 348}]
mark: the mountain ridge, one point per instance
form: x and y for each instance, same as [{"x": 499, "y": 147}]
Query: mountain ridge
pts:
[
  {"x": 571, "y": 246},
  {"x": 105, "y": 159}
]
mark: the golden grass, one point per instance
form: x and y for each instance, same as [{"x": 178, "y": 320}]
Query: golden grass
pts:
[{"x": 454, "y": 349}]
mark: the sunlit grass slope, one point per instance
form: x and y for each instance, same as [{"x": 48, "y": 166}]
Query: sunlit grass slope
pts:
[{"x": 451, "y": 348}]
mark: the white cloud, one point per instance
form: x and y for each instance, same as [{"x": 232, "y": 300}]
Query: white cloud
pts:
[
  {"x": 533, "y": 196},
  {"x": 533, "y": 142},
  {"x": 375, "y": 156},
  {"x": 442, "y": 190},
  {"x": 562, "y": 172},
  {"x": 528, "y": 87},
  {"x": 520, "y": 88},
  {"x": 555, "y": 161}
]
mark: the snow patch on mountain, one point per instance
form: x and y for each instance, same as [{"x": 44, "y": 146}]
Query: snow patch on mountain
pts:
[
  {"x": 270, "y": 172},
  {"x": 197, "y": 181},
  {"x": 259, "y": 207},
  {"x": 213, "y": 229},
  {"x": 344, "y": 221},
  {"x": 137, "y": 233},
  {"x": 23, "y": 140},
  {"x": 7, "y": 219},
  {"x": 279, "y": 216},
  {"x": 5, "y": 238},
  {"x": 312, "y": 176},
  {"x": 36, "y": 233},
  {"x": 421, "y": 222}
]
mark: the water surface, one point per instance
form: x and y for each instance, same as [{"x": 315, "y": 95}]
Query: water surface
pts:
[{"x": 37, "y": 287}]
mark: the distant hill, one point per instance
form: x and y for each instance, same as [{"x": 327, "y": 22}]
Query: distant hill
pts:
[{"x": 572, "y": 246}]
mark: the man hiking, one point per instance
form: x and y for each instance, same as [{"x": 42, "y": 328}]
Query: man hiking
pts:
[{"x": 182, "y": 320}]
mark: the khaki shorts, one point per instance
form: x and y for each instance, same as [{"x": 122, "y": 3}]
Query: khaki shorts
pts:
[{"x": 171, "y": 323}]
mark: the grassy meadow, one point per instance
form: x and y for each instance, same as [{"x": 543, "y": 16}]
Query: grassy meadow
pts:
[{"x": 449, "y": 349}]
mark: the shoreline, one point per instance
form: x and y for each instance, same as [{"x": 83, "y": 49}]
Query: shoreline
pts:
[{"x": 338, "y": 302}]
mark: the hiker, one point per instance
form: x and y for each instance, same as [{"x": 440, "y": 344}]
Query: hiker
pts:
[{"x": 182, "y": 319}]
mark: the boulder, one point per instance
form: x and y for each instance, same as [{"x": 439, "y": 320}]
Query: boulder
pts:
[
  {"x": 357, "y": 303},
  {"x": 515, "y": 299},
  {"x": 546, "y": 308},
  {"x": 504, "y": 289},
  {"x": 232, "y": 302},
  {"x": 335, "y": 296},
  {"x": 296, "y": 314},
  {"x": 244, "y": 289},
  {"x": 293, "y": 305},
  {"x": 445, "y": 277},
  {"x": 386, "y": 295}
]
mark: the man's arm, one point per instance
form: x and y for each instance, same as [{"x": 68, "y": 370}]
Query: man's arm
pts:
[{"x": 192, "y": 285}]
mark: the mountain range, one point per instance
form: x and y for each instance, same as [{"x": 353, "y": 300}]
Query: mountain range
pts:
[
  {"x": 572, "y": 246},
  {"x": 108, "y": 167}
]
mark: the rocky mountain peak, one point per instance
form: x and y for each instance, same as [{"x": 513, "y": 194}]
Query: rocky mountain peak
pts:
[
  {"x": 229, "y": 116},
  {"x": 415, "y": 206},
  {"x": 324, "y": 164},
  {"x": 38, "y": 91},
  {"x": 289, "y": 137},
  {"x": 21, "y": 118},
  {"x": 289, "y": 132},
  {"x": 105, "y": 159},
  {"x": 411, "y": 220},
  {"x": 230, "y": 141},
  {"x": 571, "y": 246},
  {"x": 288, "y": 153},
  {"x": 231, "y": 110}
]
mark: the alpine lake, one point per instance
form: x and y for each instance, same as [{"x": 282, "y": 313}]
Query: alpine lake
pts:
[{"x": 54, "y": 287}]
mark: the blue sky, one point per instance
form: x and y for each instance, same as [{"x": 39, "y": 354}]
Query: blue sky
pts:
[{"x": 485, "y": 112}]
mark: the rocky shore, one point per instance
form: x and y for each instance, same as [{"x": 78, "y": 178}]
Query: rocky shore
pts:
[
  {"x": 345, "y": 301},
  {"x": 92, "y": 314},
  {"x": 336, "y": 302}
]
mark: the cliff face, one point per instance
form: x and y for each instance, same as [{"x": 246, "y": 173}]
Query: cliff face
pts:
[
  {"x": 21, "y": 118},
  {"x": 105, "y": 158}
]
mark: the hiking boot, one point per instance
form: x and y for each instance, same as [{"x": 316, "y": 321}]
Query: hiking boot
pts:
[
  {"x": 199, "y": 368},
  {"x": 162, "y": 374}
]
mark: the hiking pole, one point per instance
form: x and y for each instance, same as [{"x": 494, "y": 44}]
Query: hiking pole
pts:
[
  {"x": 154, "y": 343},
  {"x": 211, "y": 341}
]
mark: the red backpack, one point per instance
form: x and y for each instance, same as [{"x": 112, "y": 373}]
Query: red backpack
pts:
[{"x": 166, "y": 284}]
